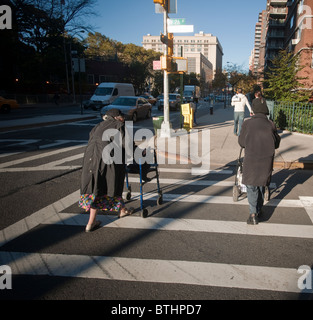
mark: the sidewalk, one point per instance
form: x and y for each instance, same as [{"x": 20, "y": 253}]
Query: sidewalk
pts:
[{"x": 295, "y": 152}]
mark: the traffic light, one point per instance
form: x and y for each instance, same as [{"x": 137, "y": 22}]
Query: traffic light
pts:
[
  {"x": 170, "y": 43},
  {"x": 164, "y": 38},
  {"x": 160, "y": 2}
]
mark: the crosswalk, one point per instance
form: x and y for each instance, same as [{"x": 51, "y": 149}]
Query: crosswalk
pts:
[{"x": 197, "y": 237}]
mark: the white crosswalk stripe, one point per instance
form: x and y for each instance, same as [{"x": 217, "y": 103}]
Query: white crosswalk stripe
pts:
[{"x": 169, "y": 271}]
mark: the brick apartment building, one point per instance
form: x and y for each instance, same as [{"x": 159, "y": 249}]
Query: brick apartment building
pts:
[
  {"x": 285, "y": 24},
  {"x": 299, "y": 36}
]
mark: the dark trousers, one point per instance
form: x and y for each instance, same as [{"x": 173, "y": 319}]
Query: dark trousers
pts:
[{"x": 255, "y": 198}]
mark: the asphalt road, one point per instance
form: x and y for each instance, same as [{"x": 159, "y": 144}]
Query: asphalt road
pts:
[{"x": 195, "y": 246}]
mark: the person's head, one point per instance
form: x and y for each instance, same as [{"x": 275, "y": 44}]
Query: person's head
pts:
[
  {"x": 258, "y": 94},
  {"x": 259, "y": 106},
  {"x": 239, "y": 90},
  {"x": 114, "y": 113}
]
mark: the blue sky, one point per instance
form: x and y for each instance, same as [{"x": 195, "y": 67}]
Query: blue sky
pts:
[{"x": 233, "y": 22}]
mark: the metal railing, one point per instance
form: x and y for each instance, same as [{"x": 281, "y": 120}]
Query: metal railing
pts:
[{"x": 294, "y": 116}]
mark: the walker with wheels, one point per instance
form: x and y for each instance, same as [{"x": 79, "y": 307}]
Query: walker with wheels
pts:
[
  {"x": 239, "y": 188},
  {"x": 153, "y": 168}
]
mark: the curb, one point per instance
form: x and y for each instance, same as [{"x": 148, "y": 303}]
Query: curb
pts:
[
  {"x": 286, "y": 165},
  {"x": 293, "y": 165}
]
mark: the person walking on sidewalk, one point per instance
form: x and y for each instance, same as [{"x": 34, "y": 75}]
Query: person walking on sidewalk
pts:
[
  {"x": 239, "y": 102},
  {"x": 102, "y": 181},
  {"x": 259, "y": 137}
]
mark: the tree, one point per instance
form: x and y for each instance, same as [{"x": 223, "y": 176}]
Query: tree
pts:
[
  {"x": 138, "y": 60},
  {"x": 99, "y": 45},
  {"x": 220, "y": 80},
  {"x": 41, "y": 32},
  {"x": 282, "y": 81}
]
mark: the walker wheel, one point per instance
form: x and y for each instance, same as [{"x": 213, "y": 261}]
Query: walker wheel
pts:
[
  {"x": 128, "y": 196},
  {"x": 160, "y": 200},
  {"x": 144, "y": 213},
  {"x": 236, "y": 193}
]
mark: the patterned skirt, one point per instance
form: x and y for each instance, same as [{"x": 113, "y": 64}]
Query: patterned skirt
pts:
[{"x": 103, "y": 203}]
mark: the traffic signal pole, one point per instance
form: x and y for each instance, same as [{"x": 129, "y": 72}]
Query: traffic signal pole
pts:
[{"x": 166, "y": 126}]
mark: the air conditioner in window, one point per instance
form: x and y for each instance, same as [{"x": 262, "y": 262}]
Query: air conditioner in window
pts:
[{"x": 295, "y": 41}]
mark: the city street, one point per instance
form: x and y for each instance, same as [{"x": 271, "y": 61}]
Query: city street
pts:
[{"x": 194, "y": 246}]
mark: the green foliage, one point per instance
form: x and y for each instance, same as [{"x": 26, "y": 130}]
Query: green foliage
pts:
[
  {"x": 294, "y": 116},
  {"x": 281, "y": 120},
  {"x": 282, "y": 81},
  {"x": 138, "y": 60},
  {"x": 220, "y": 80}
]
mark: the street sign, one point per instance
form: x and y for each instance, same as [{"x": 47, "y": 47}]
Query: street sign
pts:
[
  {"x": 157, "y": 65},
  {"x": 176, "y": 22},
  {"x": 79, "y": 65},
  {"x": 181, "y": 28}
]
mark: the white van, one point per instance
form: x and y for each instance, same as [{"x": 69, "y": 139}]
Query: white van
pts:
[{"x": 107, "y": 92}]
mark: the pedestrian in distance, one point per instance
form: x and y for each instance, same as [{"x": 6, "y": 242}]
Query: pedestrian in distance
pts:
[
  {"x": 194, "y": 108},
  {"x": 239, "y": 102},
  {"x": 259, "y": 137},
  {"x": 56, "y": 98},
  {"x": 102, "y": 181}
]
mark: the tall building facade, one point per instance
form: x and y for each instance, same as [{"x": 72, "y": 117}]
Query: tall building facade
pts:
[
  {"x": 203, "y": 51},
  {"x": 285, "y": 24},
  {"x": 299, "y": 37},
  {"x": 258, "y": 53},
  {"x": 277, "y": 11}
]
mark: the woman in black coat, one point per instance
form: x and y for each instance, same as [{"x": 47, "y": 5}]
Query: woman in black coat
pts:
[
  {"x": 103, "y": 172},
  {"x": 259, "y": 138}
]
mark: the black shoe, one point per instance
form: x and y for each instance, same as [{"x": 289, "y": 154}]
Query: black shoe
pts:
[{"x": 253, "y": 220}]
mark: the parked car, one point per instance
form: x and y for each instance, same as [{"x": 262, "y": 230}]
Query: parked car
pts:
[
  {"x": 150, "y": 98},
  {"x": 220, "y": 98},
  {"x": 209, "y": 98},
  {"x": 107, "y": 92},
  {"x": 132, "y": 107},
  {"x": 7, "y": 104},
  {"x": 174, "y": 101}
]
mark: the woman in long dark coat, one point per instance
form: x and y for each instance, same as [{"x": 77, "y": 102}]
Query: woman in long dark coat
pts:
[
  {"x": 259, "y": 138},
  {"x": 103, "y": 173}
]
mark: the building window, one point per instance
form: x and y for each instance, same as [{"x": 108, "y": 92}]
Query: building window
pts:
[{"x": 292, "y": 21}]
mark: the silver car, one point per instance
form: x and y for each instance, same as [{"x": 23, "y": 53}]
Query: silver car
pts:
[{"x": 132, "y": 107}]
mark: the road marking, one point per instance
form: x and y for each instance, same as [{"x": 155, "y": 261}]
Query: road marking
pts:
[
  {"x": 191, "y": 225},
  {"x": 39, "y": 217},
  {"x": 167, "y": 197},
  {"x": 51, "y": 214},
  {"x": 194, "y": 182},
  {"x": 38, "y": 156},
  {"x": 155, "y": 271},
  {"x": 307, "y": 203},
  {"x": 190, "y": 170}
]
